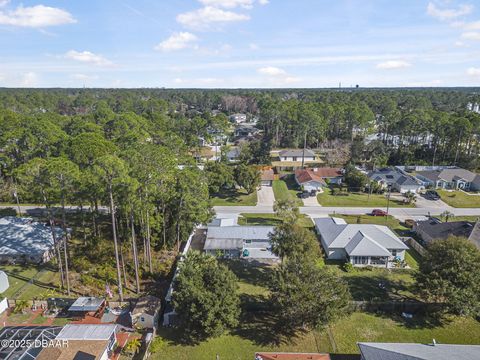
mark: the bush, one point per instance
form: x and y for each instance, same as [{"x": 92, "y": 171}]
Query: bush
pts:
[
  {"x": 348, "y": 267},
  {"x": 157, "y": 344},
  {"x": 8, "y": 212}
]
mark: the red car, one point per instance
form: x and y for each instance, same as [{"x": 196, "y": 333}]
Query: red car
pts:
[{"x": 378, "y": 212}]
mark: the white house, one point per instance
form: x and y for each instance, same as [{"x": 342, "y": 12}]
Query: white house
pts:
[
  {"x": 297, "y": 155},
  {"x": 317, "y": 178},
  {"x": 146, "y": 312},
  {"x": 359, "y": 244},
  {"x": 238, "y": 118},
  {"x": 246, "y": 242}
]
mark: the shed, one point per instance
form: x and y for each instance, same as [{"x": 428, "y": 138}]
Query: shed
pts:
[{"x": 146, "y": 311}]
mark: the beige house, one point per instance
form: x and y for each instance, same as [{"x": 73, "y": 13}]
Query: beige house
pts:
[{"x": 146, "y": 312}]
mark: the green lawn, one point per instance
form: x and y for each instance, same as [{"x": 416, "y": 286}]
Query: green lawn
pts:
[
  {"x": 270, "y": 219},
  {"x": 459, "y": 199},
  {"x": 346, "y": 333},
  {"x": 287, "y": 188},
  {"x": 20, "y": 275},
  {"x": 355, "y": 199},
  {"x": 234, "y": 198},
  {"x": 412, "y": 257}
]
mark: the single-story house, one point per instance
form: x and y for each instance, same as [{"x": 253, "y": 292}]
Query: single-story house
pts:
[
  {"x": 266, "y": 177},
  {"x": 316, "y": 178},
  {"x": 92, "y": 341},
  {"x": 207, "y": 153},
  {"x": 22, "y": 239},
  {"x": 297, "y": 155},
  {"x": 412, "y": 351},
  {"x": 246, "y": 130},
  {"x": 247, "y": 242},
  {"x": 238, "y": 118},
  {"x": 233, "y": 154},
  {"x": 398, "y": 180},
  {"x": 433, "y": 229},
  {"x": 146, "y": 312},
  {"x": 450, "y": 178},
  {"x": 4, "y": 284},
  {"x": 359, "y": 244}
]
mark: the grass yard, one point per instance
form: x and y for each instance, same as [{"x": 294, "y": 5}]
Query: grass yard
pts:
[
  {"x": 355, "y": 199},
  {"x": 234, "y": 198},
  {"x": 287, "y": 188},
  {"x": 270, "y": 219},
  {"x": 19, "y": 277},
  {"x": 369, "y": 327},
  {"x": 459, "y": 199}
]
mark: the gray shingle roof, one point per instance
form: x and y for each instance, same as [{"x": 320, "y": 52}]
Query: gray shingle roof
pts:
[
  {"x": 232, "y": 237},
  {"x": 393, "y": 175},
  {"x": 358, "y": 239},
  {"x": 407, "y": 351},
  {"x": 297, "y": 153},
  {"x": 448, "y": 175}
]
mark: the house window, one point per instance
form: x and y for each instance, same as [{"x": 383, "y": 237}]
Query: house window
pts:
[
  {"x": 294, "y": 158},
  {"x": 248, "y": 241},
  {"x": 142, "y": 319},
  {"x": 393, "y": 252},
  {"x": 360, "y": 260}
]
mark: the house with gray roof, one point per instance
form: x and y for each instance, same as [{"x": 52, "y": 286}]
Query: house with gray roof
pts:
[
  {"x": 397, "y": 180},
  {"x": 433, "y": 229},
  {"x": 412, "y": 351},
  {"x": 234, "y": 241},
  {"x": 449, "y": 178},
  {"x": 359, "y": 244},
  {"x": 297, "y": 155},
  {"x": 22, "y": 239}
]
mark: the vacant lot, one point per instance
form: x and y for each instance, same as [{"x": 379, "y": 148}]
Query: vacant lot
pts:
[
  {"x": 460, "y": 199},
  {"x": 256, "y": 331},
  {"x": 234, "y": 198},
  {"x": 356, "y": 199},
  {"x": 287, "y": 188},
  {"x": 270, "y": 220}
]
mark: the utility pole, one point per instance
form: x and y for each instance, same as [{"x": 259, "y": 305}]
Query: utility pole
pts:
[
  {"x": 304, "y": 146},
  {"x": 388, "y": 199}
]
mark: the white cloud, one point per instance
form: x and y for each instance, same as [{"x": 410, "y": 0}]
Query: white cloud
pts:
[
  {"x": 204, "y": 18},
  {"x": 84, "y": 77},
  {"x": 229, "y": 4},
  {"x": 177, "y": 41},
  {"x": 472, "y": 26},
  {"x": 393, "y": 64},
  {"x": 271, "y": 71},
  {"x": 448, "y": 13},
  {"x": 29, "y": 79},
  {"x": 473, "y": 71},
  {"x": 253, "y": 46},
  {"x": 36, "y": 16},
  {"x": 4, "y": 2},
  {"x": 88, "y": 57},
  {"x": 471, "y": 35}
]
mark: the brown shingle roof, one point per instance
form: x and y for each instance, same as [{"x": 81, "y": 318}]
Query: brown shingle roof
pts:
[
  {"x": 306, "y": 175},
  {"x": 147, "y": 305},
  {"x": 76, "y": 349},
  {"x": 326, "y": 172},
  {"x": 267, "y": 175}
]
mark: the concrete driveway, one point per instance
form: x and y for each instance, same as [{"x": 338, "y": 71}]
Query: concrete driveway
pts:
[
  {"x": 310, "y": 201},
  {"x": 265, "y": 196},
  {"x": 421, "y": 202}
]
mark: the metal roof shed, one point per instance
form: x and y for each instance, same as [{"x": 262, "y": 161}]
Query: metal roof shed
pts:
[{"x": 87, "y": 304}]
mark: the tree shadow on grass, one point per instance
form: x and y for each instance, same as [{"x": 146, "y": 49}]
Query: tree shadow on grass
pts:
[
  {"x": 230, "y": 195},
  {"x": 258, "y": 274},
  {"x": 377, "y": 287},
  {"x": 260, "y": 324}
]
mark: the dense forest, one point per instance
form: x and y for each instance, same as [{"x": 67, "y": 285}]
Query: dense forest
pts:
[{"x": 122, "y": 149}]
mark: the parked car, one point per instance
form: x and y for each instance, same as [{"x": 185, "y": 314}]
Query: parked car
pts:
[
  {"x": 304, "y": 195},
  {"x": 379, "y": 212},
  {"x": 432, "y": 195}
]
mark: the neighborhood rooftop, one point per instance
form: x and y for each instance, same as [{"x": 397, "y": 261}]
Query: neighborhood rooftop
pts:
[
  {"x": 408, "y": 351},
  {"x": 23, "y": 236},
  {"x": 87, "y": 332},
  {"x": 87, "y": 304},
  {"x": 297, "y": 153}
]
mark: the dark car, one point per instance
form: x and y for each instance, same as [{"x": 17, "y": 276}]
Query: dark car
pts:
[
  {"x": 378, "y": 212},
  {"x": 304, "y": 195},
  {"x": 432, "y": 195}
]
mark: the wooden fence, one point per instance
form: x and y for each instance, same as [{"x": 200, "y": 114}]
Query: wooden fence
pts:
[{"x": 415, "y": 245}]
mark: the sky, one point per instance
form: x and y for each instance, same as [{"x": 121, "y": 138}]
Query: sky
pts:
[{"x": 239, "y": 43}]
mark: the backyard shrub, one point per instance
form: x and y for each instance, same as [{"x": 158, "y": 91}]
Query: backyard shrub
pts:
[{"x": 348, "y": 267}]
